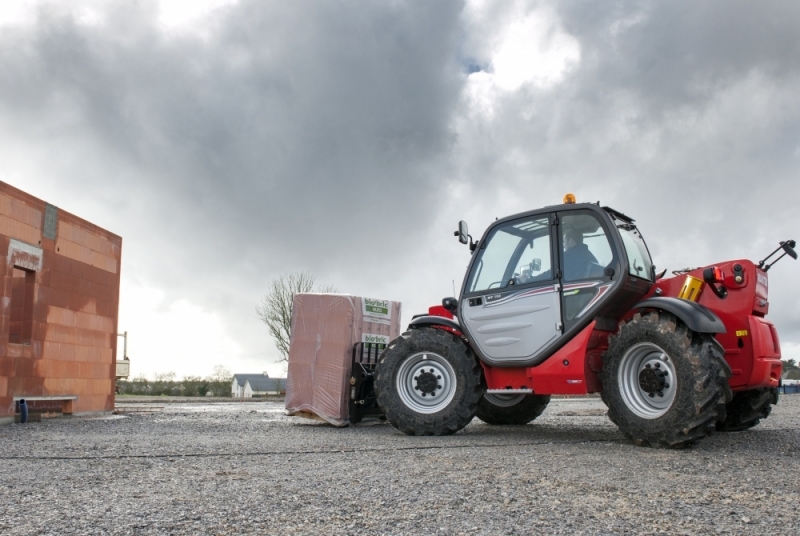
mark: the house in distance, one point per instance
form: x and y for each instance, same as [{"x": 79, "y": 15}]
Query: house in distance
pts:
[{"x": 249, "y": 385}]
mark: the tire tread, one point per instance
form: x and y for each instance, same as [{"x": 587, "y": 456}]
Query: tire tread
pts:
[
  {"x": 695, "y": 415},
  {"x": 447, "y": 421}
]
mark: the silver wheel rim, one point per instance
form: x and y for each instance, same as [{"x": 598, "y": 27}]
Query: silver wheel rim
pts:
[
  {"x": 415, "y": 387},
  {"x": 503, "y": 401},
  {"x": 642, "y": 367}
]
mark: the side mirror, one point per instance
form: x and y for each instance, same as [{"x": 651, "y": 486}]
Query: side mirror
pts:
[
  {"x": 788, "y": 247},
  {"x": 536, "y": 265},
  {"x": 462, "y": 233},
  {"x": 451, "y": 304}
]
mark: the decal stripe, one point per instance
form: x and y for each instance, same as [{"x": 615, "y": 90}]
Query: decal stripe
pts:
[
  {"x": 523, "y": 294},
  {"x": 573, "y": 286},
  {"x": 600, "y": 293}
]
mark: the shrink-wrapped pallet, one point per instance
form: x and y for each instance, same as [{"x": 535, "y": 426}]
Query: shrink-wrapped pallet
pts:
[{"x": 324, "y": 329}]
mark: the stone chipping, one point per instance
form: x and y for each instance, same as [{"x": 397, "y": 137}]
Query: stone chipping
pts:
[{"x": 245, "y": 468}]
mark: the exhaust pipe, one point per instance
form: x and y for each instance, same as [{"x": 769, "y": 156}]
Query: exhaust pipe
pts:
[{"x": 23, "y": 411}]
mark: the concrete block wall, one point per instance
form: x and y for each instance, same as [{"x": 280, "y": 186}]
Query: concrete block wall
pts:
[{"x": 63, "y": 341}]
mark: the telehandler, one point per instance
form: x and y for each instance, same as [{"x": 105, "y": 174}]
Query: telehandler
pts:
[{"x": 565, "y": 300}]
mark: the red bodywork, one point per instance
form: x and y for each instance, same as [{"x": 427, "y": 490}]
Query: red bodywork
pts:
[
  {"x": 751, "y": 342},
  {"x": 752, "y": 348}
]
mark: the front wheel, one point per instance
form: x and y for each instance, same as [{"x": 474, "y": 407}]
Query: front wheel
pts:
[
  {"x": 501, "y": 409},
  {"x": 428, "y": 383},
  {"x": 664, "y": 385}
]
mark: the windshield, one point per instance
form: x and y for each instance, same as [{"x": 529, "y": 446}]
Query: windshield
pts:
[{"x": 639, "y": 263}]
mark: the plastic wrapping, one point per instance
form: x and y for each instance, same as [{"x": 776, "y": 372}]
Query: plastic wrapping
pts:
[{"x": 324, "y": 329}]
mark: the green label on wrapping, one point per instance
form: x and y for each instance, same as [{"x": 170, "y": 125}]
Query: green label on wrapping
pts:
[
  {"x": 379, "y": 308},
  {"x": 378, "y": 339}
]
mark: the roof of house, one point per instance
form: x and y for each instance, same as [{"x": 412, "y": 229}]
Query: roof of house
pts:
[
  {"x": 241, "y": 379},
  {"x": 262, "y": 383}
]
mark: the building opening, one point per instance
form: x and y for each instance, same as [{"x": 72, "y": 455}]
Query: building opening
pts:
[{"x": 22, "y": 288}]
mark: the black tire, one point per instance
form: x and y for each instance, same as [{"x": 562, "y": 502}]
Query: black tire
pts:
[
  {"x": 510, "y": 409},
  {"x": 664, "y": 385},
  {"x": 417, "y": 367},
  {"x": 747, "y": 409}
]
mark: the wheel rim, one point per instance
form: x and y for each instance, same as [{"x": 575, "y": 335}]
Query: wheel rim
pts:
[
  {"x": 426, "y": 382},
  {"x": 647, "y": 380},
  {"x": 503, "y": 401}
]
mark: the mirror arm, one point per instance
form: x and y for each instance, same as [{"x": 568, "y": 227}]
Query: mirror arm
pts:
[
  {"x": 770, "y": 265},
  {"x": 788, "y": 249}
]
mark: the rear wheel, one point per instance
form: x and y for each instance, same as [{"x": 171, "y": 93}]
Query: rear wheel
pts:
[
  {"x": 500, "y": 409},
  {"x": 747, "y": 409},
  {"x": 664, "y": 385},
  {"x": 428, "y": 383}
]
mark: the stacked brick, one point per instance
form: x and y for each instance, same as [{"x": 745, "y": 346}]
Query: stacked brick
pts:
[
  {"x": 58, "y": 311},
  {"x": 325, "y": 327}
]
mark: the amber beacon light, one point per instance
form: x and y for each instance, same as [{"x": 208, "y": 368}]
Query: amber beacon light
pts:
[{"x": 569, "y": 199}]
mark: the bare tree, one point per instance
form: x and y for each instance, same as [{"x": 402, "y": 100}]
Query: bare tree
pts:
[
  {"x": 275, "y": 309},
  {"x": 221, "y": 374},
  {"x": 165, "y": 376}
]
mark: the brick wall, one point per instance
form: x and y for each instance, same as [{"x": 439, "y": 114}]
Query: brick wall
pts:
[{"x": 62, "y": 340}]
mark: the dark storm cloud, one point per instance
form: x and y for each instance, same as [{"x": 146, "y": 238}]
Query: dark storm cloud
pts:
[
  {"x": 328, "y": 136},
  {"x": 678, "y": 53},
  {"x": 292, "y": 136},
  {"x": 683, "y": 115},
  {"x": 290, "y": 118}
]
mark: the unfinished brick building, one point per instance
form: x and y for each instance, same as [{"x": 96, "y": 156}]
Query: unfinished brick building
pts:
[{"x": 58, "y": 314}]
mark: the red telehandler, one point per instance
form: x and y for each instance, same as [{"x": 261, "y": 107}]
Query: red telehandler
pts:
[{"x": 565, "y": 300}]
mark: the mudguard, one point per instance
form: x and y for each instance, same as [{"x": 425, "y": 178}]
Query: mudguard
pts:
[
  {"x": 696, "y": 317},
  {"x": 428, "y": 320}
]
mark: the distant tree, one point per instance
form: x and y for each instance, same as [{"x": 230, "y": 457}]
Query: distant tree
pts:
[
  {"x": 165, "y": 376},
  {"x": 221, "y": 374},
  {"x": 790, "y": 370},
  {"x": 219, "y": 382},
  {"x": 164, "y": 384},
  {"x": 195, "y": 386},
  {"x": 139, "y": 386},
  {"x": 275, "y": 309}
]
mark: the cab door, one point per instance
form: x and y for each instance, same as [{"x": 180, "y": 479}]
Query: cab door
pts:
[
  {"x": 587, "y": 263},
  {"x": 511, "y": 306}
]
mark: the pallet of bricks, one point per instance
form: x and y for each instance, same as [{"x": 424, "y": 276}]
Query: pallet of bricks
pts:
[{"x": 335, "y": 343}]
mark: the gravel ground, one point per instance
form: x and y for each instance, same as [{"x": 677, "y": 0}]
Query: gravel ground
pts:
[{"x": 233, "y": 468}]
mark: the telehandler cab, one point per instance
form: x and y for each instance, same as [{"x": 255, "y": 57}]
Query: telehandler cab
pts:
[{"x": 565, "y": 300}]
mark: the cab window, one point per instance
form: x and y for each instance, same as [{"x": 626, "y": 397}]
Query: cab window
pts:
[
  {"x": 516, "y": 253},
  {"x": 639, "y": 263},
  {"x": 586, "y": 248}
]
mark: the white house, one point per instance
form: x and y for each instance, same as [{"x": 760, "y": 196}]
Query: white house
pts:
[{"x": 249, "y": 385}]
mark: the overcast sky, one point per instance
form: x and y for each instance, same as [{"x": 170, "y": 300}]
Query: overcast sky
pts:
[{"x": 230, "y": 142}]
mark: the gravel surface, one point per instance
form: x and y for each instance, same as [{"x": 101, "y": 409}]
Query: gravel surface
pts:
[{"x": 234, "y": 468}]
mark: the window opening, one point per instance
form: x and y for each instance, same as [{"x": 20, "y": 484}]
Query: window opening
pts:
[
  {"x": 639, "y": 263},
  {"x": 587, "y": 250},
  {"x": 22, "y": 289},
  {"x": 586, "y": 253},
  {"x": 517, "y": 253}
]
